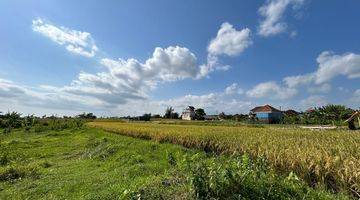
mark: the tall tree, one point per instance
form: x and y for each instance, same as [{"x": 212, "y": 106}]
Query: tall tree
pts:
[
  {"x": 200, "y": 113},
  {"x": 169, "y": 112}
]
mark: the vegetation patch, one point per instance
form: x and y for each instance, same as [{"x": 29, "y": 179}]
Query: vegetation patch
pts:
[
  {"x": 12, "y": 174},
  {"x": 327, "y": 159},
  {"x": 89, "y": 163}
]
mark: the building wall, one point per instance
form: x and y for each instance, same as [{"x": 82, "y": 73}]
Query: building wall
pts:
[
  {"x": 188, "y": 115},
  {"x": 265, "y": 117}
]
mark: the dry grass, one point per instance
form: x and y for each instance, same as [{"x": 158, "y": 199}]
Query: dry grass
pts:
[{"x": 321, "y": 158}]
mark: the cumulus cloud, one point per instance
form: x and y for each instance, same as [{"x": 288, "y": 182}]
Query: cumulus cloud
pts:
[
  {"x": 131, "y": 79},
  {"x": 212, "y": 65},
  {"x": 295, "y": 81},
  {"x": 74, "y": 99},
  {"x": 212, "y": 103},
  {"x": 273, "y": 13},
  {"x": 331, "y": 65},
  {"x": 122, "y": 83},
  {"x": 313, "y": 101},
  {"x": 356, "y": 98},
  {"x": 76, "y": 42},
  {"x": 233, "y": 89},
  {"x": 324, "y": 88},
  {"x": 13, "y": 96},
  {"x": 230, "y": 41},
  {"x": 271, "y": 90}
]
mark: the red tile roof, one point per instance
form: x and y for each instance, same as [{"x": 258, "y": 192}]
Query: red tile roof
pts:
[
  {"x": 291, "y": 112},
  {"x": 266, "y": 108}
]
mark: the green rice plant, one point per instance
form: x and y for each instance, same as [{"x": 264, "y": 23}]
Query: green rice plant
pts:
[{"x": 329, "y": 159}]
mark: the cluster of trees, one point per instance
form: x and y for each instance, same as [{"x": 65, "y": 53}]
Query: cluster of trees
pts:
[
  {"x": 236, "y": 117},
  {"x": 200, "y": 114},
  {"x": 10, "y": 121},
  {"x": 86, "y": 116},
  {"x": 170, "y": 114},
  {"x": 329, "y": 114},
  {"x": 14, "y": 120}
]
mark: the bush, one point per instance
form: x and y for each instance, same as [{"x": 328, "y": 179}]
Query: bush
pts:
[
  {"x": 11, "y": 120},
  {"x": 329, "y": 114}
]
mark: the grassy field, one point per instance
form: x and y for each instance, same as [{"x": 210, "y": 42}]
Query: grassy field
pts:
[
  {"x": 90, "y": 163},
  {"x": 328, "y": 159}
]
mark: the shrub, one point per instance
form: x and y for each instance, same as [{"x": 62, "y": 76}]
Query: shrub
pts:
[{"x": 11, "y": 120}]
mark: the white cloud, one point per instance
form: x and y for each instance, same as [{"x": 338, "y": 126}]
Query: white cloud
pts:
[
  {"x": 295, "y": 81},
  {"x": 123, "y": 83},
  {"x": 356, "y": 98},
  {"x": 313, "y": 101},
  {"x": 273, "y": 13},
  {"x": 130, "y": 79},
  {"x": 10, "y": 90},
  {"x": 331, "y": 65},
  {"x": 271, "y": 90},
  {"x": 230, "y": 41},
  {"x": 211, "y": 66},
  {"x": 14, "y": 96},
  {"x": 212, "y": 103},
  {"x": 75, "y": 41},
  {"x": 324, "y": 88},
  {"x": 233, "y": 89},
  {"x": 93, "y": 97}
]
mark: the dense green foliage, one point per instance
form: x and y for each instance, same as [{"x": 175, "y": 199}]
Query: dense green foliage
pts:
[
  {"x": 170, "y": 114},
  {"x": 13, "y": 120},
  {"x": 10, "y": 121},
  {"x": 92, "y": 164},
  {"x": 86, "y": 116},
  {"x": 329, "y": 114},
  {"x": 199, "y": 114}
]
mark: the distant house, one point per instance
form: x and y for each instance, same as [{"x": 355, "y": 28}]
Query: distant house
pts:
[
  {"x": 266, "y": 114},
  {"x": 291, "y": 113},
  {"x": 188, "y": 113}
]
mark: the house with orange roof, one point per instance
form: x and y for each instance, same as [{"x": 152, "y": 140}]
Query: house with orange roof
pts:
[{"x": 266, "y": 114}]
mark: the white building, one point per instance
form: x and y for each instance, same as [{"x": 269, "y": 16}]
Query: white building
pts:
[{"x": 188, "y": 113}]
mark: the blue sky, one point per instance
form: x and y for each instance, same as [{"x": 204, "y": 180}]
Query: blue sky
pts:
[{"x": 131, "y": 57}]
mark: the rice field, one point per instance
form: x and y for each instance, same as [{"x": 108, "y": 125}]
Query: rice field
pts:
[{"x": 324, "y": 159}]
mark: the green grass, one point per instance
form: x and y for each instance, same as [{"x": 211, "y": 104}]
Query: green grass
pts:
[
  {"x": 94, "y": 164},
  {"x": 80, "y": 164}
]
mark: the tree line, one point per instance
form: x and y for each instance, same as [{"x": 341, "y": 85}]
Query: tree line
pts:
[{"x": 15, "y": 120}]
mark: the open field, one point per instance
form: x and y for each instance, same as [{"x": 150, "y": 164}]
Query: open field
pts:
[
  {"x": 329, "y": 159},
  {"x": 81, "y": 164},
  {"x": 93, "y": 164}
]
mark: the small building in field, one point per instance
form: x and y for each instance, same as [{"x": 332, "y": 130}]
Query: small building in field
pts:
[
  {"x": 188, "y": 113},
  {"x": 266, "y": 114}
]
